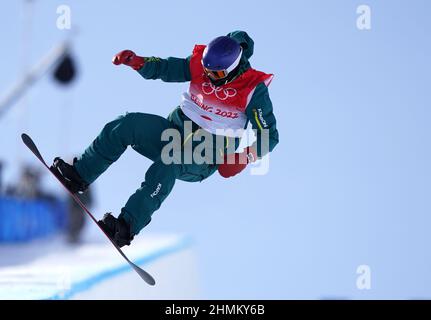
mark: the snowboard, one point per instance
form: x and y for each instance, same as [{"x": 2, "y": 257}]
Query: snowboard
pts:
[{"x": 142, "y": 273}]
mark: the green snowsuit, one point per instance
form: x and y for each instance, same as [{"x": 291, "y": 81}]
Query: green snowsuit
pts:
[{"x": 143, "y": 132}]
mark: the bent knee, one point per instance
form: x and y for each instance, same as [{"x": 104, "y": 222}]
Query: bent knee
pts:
[{"x": 131, "y": 118}]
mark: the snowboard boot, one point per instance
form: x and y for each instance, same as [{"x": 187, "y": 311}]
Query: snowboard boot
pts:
[
  {"x": 117, "y": 229},
  {"x": 68, "y": 175}
]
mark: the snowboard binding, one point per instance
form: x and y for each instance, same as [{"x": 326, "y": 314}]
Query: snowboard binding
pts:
[
  {"x": 67, "y": 174},
  {"x": 117, "y": 229}
]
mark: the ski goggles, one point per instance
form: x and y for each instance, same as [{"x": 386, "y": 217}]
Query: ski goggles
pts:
[{"x": 221, "y": 74}]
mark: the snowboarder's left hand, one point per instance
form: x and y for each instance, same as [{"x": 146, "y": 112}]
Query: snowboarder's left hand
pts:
[{"x": 234, "y": 163}]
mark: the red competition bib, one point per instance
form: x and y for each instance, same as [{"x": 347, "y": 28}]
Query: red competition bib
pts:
[{"x": 219, "y": 110}]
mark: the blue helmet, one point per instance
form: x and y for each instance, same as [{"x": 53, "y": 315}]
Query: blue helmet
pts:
[{"x": 221, "y": 56}]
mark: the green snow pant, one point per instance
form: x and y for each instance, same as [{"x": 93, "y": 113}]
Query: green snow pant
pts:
[{"x": 143, "y": 133}]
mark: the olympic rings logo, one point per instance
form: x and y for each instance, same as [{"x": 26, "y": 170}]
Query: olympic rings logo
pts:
[{"x": 220, "y": 93}]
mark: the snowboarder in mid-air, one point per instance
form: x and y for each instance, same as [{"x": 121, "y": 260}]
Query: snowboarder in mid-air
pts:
[{"x": 225, "y": 93}]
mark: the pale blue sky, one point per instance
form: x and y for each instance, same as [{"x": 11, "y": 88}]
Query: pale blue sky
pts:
[{"x": 349, "y": 183}]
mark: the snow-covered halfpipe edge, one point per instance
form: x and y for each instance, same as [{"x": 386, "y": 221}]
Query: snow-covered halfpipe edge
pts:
[
  {"x": 103, "y": 276},
  {"x": 51, "y": 269}
]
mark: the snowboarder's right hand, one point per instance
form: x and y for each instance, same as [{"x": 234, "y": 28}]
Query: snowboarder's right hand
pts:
[{"x": 129, "y": 58}]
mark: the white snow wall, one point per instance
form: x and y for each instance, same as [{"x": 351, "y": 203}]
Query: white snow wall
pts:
[{"x": 97, "y": 271}]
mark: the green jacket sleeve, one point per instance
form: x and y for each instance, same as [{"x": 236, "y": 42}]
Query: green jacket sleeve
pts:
[
  {"x": 260, "y": 114},
  {"x": 168, "y": 70}
]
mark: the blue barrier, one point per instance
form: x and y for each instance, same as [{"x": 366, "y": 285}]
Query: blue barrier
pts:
[{"x": 25, "y": 220}]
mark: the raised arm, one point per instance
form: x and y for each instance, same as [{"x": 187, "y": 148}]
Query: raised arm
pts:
[{"x": 168, "y": 70}]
